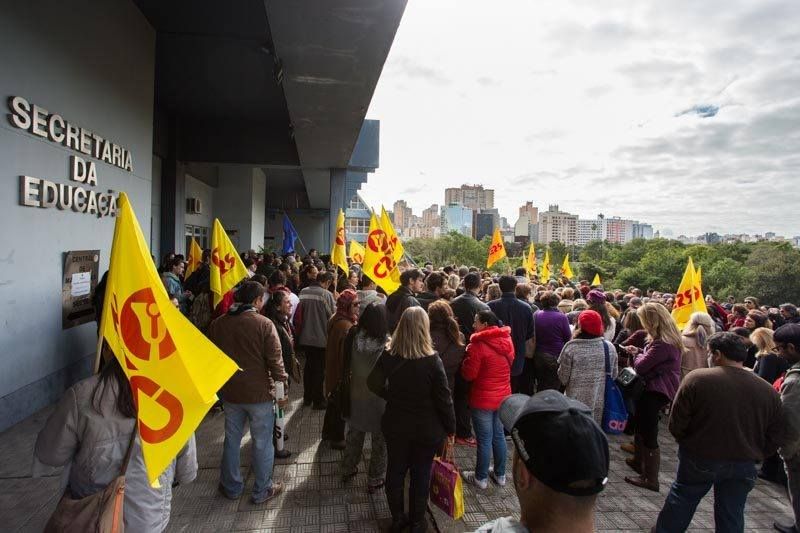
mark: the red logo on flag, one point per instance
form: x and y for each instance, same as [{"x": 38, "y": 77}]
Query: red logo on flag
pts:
[
  {"x": 143, "y": 329},
  {"x": 224, "y": 265}
]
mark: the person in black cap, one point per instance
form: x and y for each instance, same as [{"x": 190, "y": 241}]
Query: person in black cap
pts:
[{"x": 560, "y": 463}]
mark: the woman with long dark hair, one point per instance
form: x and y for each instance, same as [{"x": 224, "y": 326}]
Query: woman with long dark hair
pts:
[
  {"x": 90, "y": 430},
  {"x": 597, "y": 302},
  {"x": 366, "y": 344},
  {"x": 449, "y": 343}
]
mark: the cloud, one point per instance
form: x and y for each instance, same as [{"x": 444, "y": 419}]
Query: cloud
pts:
[
  {"x": 683, "y": 114},
  {"x": 406, "y": 66},
  {"x": 701, "y": 110},
  {"x": 487, "y": 81}
]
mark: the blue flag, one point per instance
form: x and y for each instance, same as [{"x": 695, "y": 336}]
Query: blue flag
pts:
[{"x": 289, "y": 235}]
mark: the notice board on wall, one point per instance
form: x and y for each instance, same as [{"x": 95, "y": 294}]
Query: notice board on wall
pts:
[{"x": 77, "y": 290}]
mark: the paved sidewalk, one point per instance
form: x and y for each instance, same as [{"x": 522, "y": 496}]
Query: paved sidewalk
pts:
[{"x": 315, "y": 499}]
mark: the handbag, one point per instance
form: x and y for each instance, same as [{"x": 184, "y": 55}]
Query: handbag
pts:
[
  {"x": 99, "y": 513},
  {"x": 615, "y": 414},
  {"x": 631, "y": 385},
  {"x": 446, "y": 491}
]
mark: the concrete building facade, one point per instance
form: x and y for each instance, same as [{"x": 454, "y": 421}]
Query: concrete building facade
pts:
[
  {"x": 471, "y": 196},
  {"x": 197, "y": 110},
  {"x": 555, "y": 225}
]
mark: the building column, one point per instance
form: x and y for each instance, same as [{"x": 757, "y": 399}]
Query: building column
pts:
[
  {"x": 337, "y": 201},
  {"x": 173, "y": 197}
]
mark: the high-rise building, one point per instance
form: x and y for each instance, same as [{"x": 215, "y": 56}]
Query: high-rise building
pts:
[
  {"x": 642, "y": 231},
  {"x": 555, "y": 225},
  {"x": 617, "y": 230},
  {"x": 589, "y": 230},
  {"x": 470, "y": 196},
  {"x": 402, "y": 215},
  {"x": 430, "y": 217},
  {"x": 530, "y": 211},
  {"x": 456, "y": 217},
  {"x": 484, "y": 225}
]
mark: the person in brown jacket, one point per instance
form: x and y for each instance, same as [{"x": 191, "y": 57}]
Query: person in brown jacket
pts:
[
  {"x": 252, "y": 341},
  {"x": 347, "y": 306}
]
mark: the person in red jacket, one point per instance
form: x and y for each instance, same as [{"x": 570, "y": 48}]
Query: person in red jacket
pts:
[{"x": 487, "y": 365}]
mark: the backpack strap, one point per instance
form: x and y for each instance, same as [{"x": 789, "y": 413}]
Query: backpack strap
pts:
[
  {"x": 130, "y": 448},
  {"x": 608, "y": 358}
]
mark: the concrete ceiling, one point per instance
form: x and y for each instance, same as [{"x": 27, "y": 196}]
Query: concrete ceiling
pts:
[{"x": 271, "y": 83}]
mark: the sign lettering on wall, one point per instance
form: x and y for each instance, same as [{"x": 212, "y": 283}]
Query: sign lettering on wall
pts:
[{"x": 37, "y": 192}]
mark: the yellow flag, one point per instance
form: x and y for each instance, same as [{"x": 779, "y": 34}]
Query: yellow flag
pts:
[
  {"x": 689, "y": 298},
  {"x": 546, "y": 266},
  {"x": 394, "y": 242},
  {"x": 379, "y": 263},
  {"x": 174, "y": 371},
  {"x": 596, "y": 280},
  {"x": 497, "y": 249},
  {"x": 357, "y": 252},
  {"x": 338, "y": 250},
  {"x": 227, "y": 269},
  {"x": 566, "y": 270},
  {"x": 531, "y": 265},
  {"x": 193, "y": 258},
  {"x": 698, "y": 274}
]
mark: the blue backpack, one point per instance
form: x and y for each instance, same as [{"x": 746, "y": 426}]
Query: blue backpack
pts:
[{"x": 615, "y": 415}]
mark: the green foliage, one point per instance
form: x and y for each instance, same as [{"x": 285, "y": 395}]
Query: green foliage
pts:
[{"x": 769, "y": 271}]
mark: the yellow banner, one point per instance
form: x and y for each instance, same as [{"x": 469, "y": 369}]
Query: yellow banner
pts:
[
  {"x": 689, "y": 298},
  {"x": 546, "y": 266},
  {"x": 174, "y": 371},
  {"x": 566, "y": 270},
  {"x": 357, "y": 252},
  {"x": 596, "y": 280},
  {"x": 227, "y": 269},
  {"x": 497, "y": 250},
  {"x": 193, "y": 258},
  {"x": 394, "y": 242},
  {"x": 531, "y": 265},
  {"x": 338, "y": 248},
  {"x": 379, "y": 263}
]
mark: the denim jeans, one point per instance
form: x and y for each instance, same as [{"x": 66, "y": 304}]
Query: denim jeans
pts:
[
  {"x": 262, "y": 424},
  {"x": 404, "y": 454},
  {"x": 491, "y": 441},
  {"x": 732, "y": 481}
]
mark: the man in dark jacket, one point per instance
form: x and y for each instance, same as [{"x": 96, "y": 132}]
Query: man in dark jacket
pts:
[
  {"x": 720, "y": 437},
  {"x": 252, "y": 341},
  {"x": 466, "y": 306},
  {"x": 435, "y": 284},
  {"x": 403, "y": 298},
  {"x": 519, "y": 317},
  {"x": 787, "y": 344}
]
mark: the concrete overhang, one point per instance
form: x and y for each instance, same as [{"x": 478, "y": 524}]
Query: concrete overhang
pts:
[{"x": 271, "y": 84}]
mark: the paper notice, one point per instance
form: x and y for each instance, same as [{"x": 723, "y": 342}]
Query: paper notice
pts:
[{"x": 81, "y": 284}]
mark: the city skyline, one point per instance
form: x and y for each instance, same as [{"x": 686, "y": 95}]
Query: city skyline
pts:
[{"x": 645, "y": 110}]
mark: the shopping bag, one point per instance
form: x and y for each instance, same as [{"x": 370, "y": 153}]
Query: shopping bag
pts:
[
  {"x": 615, "y": 415},
  {"x": 446, "y": 487}
]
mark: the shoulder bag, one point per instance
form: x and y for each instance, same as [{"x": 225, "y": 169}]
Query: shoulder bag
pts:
[
  {"x": 615, "y": 414},
  {"x": 99, "y": 513}
]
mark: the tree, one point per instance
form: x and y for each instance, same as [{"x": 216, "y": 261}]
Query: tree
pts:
[{"x": 774, "y": 273}]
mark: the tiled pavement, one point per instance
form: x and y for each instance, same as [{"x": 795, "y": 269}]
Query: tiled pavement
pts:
[{"x": 317, "y": 501}]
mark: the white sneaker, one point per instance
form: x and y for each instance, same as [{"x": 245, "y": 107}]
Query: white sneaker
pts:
[
  {"x": 470, "y": 478},
  {"x": 499, "y": 480}
]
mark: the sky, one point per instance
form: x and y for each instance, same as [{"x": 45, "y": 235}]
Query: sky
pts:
[{"x": 684, "y": 114}]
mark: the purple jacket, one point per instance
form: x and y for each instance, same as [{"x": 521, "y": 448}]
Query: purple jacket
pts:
[
  {"x": 660, "y": 367},
  {"x": 552, "y": 331}
]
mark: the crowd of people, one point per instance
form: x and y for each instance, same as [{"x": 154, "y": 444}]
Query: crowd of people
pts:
[{"x": 458, "y": 356}]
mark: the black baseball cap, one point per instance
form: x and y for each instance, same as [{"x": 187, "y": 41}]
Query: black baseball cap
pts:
[{"x": 558, "y": 440}]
